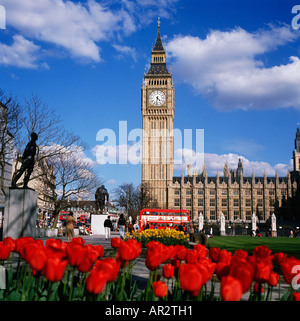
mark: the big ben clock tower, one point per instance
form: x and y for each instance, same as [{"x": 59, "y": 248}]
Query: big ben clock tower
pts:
[{"x": 158, "y": 117}]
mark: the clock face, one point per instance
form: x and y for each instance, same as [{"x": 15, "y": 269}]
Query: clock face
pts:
[{"x": 157, "y": 98}]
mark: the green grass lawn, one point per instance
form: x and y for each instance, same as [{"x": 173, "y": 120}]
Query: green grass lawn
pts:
[{"x": 290, "y": 246}]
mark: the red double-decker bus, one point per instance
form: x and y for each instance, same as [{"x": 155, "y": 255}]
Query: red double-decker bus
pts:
[{"x": 162, "y": 219}]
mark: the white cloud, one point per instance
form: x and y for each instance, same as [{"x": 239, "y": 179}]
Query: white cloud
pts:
[
  {"x": 227, "y": 68},
  {"x": 21, "y": 53},
  {"x": 79, "y": 27},
  {"x": 131, "y": 154},
  {"x": 125, "y": 51},
  {"x": 112, "y": 182},
  {"x": 75, "y": 154},
  {"x": 118, "y": 154},
  {"x": 73, "y": 26},
  {"x": 215, "y": 163}
]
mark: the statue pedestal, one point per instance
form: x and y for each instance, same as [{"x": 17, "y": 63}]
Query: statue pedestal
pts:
[
  {"x": 20, "y": 213},
  {"x": 97, "y": 224}
]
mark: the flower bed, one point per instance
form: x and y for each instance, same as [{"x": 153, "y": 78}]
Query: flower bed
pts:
[
  {"x": 164, "y": 236},
  {"x": 58, "y": 271}
]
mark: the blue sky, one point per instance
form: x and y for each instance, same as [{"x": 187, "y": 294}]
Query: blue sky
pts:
[{"x": 235, "y": 65}]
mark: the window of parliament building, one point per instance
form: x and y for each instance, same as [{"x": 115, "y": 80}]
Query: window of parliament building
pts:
[{"x": 233, "y": 194}]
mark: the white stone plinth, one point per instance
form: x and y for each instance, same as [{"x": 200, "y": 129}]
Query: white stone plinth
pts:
[
  {"x": 20, "y": 213},
  {"x": 97, "y": 224}
]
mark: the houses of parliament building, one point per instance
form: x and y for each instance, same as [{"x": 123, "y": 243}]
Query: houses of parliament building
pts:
[{"x": 233, "y": 194}]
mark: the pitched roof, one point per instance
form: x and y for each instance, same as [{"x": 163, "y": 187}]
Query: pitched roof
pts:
[{"x": 158, "y": 44}]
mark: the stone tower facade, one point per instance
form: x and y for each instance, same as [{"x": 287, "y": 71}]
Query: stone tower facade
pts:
[
  {"x": 232, "y": 194},
  {"x": 158, "y": 104},
  {"x": 296, "y": 152}
]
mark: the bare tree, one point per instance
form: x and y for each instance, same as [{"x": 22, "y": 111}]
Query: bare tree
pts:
[
  {"x": 138, "y": 198},
  {"x": 52, "y": 137},
  {"x": 69, "y": 175},
  {"x": 62, "y": 170}
]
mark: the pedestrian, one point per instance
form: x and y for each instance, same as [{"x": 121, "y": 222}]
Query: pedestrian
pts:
[
  {"x": 70, "y": 221},
  {"x": 121, "y": 225},
  {"x": 107, "y": 227},
  {"x": 130, "y": 227},
  {"x": 180, "y": 227}
]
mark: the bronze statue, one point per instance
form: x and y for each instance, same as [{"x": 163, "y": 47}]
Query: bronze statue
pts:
[
  {"x": 27, "y": 162},
  {"x": 100, "y": 198}
]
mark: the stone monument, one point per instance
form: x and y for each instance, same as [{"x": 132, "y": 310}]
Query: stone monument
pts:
[
  {"x": 21, "y": 203},
  {"x": 273, "y": 225},
  {"x": 200, "y": 222},
  {"x": 253, "y": 221},
  {"x": 100, "y": 196},
  {"x": 222, "y": 225},
  {"x": 97, "y": 221}
]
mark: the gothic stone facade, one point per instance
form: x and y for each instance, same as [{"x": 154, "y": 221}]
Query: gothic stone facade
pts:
[
  {"x": 237, "y": 197},
  {"x": 233, "y": 194}
]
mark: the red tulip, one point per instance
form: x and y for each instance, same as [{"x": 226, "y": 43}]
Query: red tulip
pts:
[
  {"x": 75, "y": 253},
  {"x": 29, "y": 250},
  {"x": 274, "y": 278},
  {"x": 190, "y": 277},
  {"x": 100, "y": 249},
  {"x": 19, "y": 243},
  {"x": 91, "y": 256},
  {"x": 5, "y": 250},
  {"x": 202, "y": 250},
  {"x": 157, "y": 253},
  {"x": 263, "y": 270},
  {"x": 287, "y": 269},
  {"x": 160, "y": 289},
  {"x": 130, "y": 250},
  {"x": 153, "y": 260},
  {"x": 168, "y": 271},
  {"x": 279, "y": 258},
  {"x": 181, "y": 252},
  {"x": 9, "y": 241},
  {"x": 56, "y": 248},
  {"x": 231, "y": 289},
  {"x": 222, "y": 269},
  {"x": 116, "y": 242},
  {"x": 172, "y": 252},
  {"x": 240, "y": 254},
  {"x": 225, "y": 257},
  {"x": 296, "y": 296},
  {"x": 207, "y": 269},
  {"x": 54, "y": 269},
  {"x": 27, "y": 246},
  {"x": 192, "y": 256},
  {"x": 243, "y": 271},
  {"x": 176, "y": 263},
  {"x": 78, "y": 240},
  {"x": 96, "y": 281},
  {"x": 38, "y": 259},
  {"x": 110, "y": 266},
  {"x": 262, "y": 251},
  {"x": 214, "y": 253}
]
